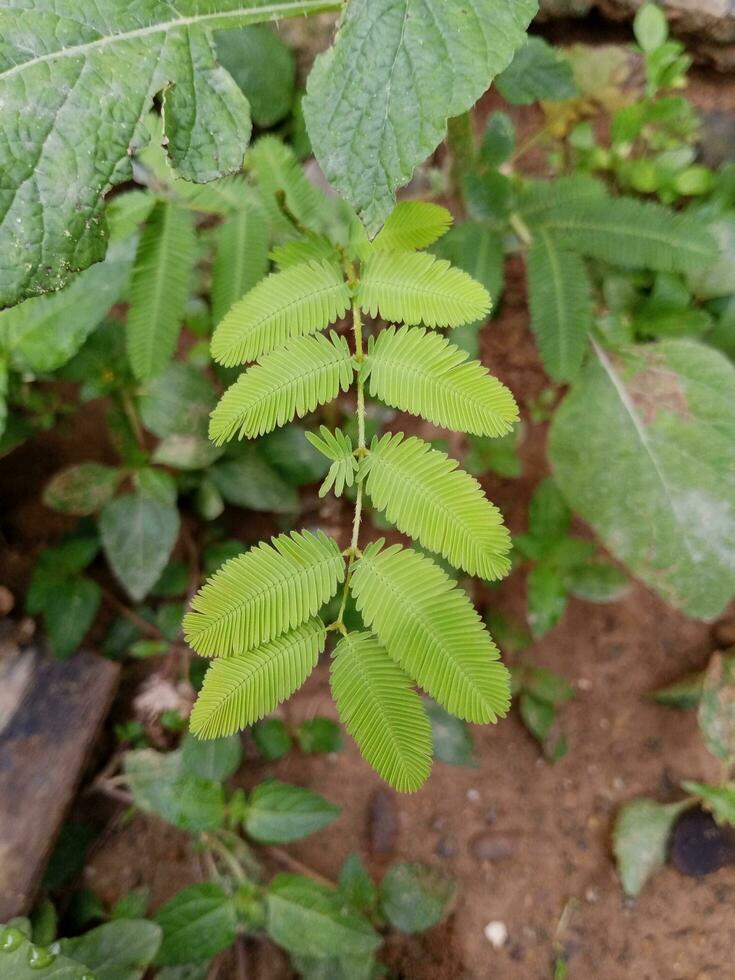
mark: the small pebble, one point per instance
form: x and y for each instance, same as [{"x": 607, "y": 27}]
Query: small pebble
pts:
[
  {"x": 491, "y": 847},
  {"x": 496, "y": 934},
  {"x": 446, "y": 848},
  {"x": 473, "y": 795}
]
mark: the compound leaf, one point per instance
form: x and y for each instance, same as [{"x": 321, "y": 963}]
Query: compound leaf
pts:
[
  {"x": 425, "y": 495},
  {"x": 428, "y": 626},
  {"x": 240, "y": 690},
  {"x": 396, "y": 73},
  {"x": 413, "y": 225},
  {"x": 287, "y": 383},
  {"x": 241, "y": 260},
  {"x": 159, "y": 288},
  {"x": 302, "y": 300},
  {"x": 421, "y": 372},
  {"x": 256, "y": 597},
  {"x": 415, "y": 287},
  {"x": 381, "y": 711}
]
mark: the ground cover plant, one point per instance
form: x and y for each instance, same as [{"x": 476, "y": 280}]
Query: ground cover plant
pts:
[{"x": 300, "y": 427}]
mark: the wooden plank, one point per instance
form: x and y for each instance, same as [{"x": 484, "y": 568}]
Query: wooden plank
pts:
[{"x": 44, "y": 745}]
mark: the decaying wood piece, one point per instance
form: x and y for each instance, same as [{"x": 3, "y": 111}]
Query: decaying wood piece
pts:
[{"x": 50, "y": 715}]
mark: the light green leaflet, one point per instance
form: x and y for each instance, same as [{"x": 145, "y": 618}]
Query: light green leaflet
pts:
[
  {"x": 76, "y": 81},
  {"x": 642, "y": 448}
]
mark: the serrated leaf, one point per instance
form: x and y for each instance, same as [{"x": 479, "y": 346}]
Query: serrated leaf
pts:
[
  {"x": 285, "y": 384},
  {"x": 197, "y": 923},
  {"x": 561, "y": 305},
  {"x": 439, "y": 58},
  {"x": 138, "y": 534},
  {"x": 241, "y": 260},
  {"x": 63, "y": 75},
  {"x": 640, "y": 838},
  {"x": 309, "y": 919},
  {"x": 215, "y": 759},
  {"x": 381, "y": 712},
  {"x": 413, "y": 225},
  {"x": 177, "y": 402},
  {"x": 415, "y": 287},
  {"x": 69, "y": 611},
  {"x": 248, "y": 481},
  {"x": 417, "y": 612},
  {"x": 420, "y": 372},
  {"x": 538, "y": 73},
  {"x": 664, "y": 412},
  {"x": 279, "y": 813},
  {"x": 426, "y": 495},
  {"x": 241, "y": 689},
  {"x": 82, "y": 489},
  {"x": 414, "y": 897},
  {"x": 119, "y": 950},
  {"x": 160, "y": 785},
  {"x": 159, "y": 288},
  {"x": 300, "y": 301}
]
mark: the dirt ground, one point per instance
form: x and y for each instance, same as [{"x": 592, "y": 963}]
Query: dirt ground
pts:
[{"x": 552, "y": 881}]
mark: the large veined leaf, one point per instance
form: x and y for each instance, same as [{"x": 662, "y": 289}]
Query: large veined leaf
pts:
[
  {"x": 633, "y": 234},
  {"x": 119, "y": 950},
  {"x": 381, "y": 711},
  {"x": 300, "y": 301},
  {"x": 561, "y": 305},
  {"x": 76, "y": 81},
  {"x": 426, "y": 495},
  {"x": 240, "y": 690},
  {"x": 642, "y": 449},
  {"x": 397, "y": 72},
  {"x": 43, "y": 333},
  {"x": 286, "y": 383},
  {"x": 159, "y": 288},
  {"x": 414, "y": 287},
  {"x": 264, "y": 593},
  {"x": 428, "y": 625},
  {"x": 421, "y": 372},
  {"x": 242, "y": 258}
]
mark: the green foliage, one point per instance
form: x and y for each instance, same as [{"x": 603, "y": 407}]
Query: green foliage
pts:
[
  {"x": 81, "y": 490},
  {"x": 413, "y": 897},
  {"x": 263, "y": 66},
  {"x": 159, "y": 288},
  {"x": 162, "y": 784},
  {"x": 716, "y": 714},
  {"x": 278, "y": 813},
  {"x": 640, "y": 840},
  {"x": 197, "y": 923},
  {"x": 319, "y": 736},
  {"x": 453, "y": 742},
  {"x": 381, "y": 711},
  {"x": 720, "y": 800},
  {"x": 438, "y": 64},
  {"x": 412, "y": 225},
  {"x": 337, "y": 447},
  {"x": 537, "y": 73},
  {"x": 241, "y": 259},
  {"x": 119, "y": 950},
  {"x": 540, "y": 694}
]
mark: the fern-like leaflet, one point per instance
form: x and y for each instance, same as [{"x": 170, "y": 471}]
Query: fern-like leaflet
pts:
[{"x": 259, "y": 615}]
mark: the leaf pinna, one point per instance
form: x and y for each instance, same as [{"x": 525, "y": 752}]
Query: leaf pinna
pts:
[{"x": 259, "y": 615}]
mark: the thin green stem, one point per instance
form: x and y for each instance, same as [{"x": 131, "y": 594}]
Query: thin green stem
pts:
[{"x": 521, "y": 229}]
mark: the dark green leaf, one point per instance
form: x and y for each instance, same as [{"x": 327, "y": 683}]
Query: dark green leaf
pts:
[
  {"x": 272, "y": 738},
  {"x": 414, "y": 897},
  {"x": 197, "y": 923},
  {"x": 548, "y": 515},
  {"x": 319, "y": 735},
  {"x": 538, "y": 716},
  {"x": 177, "y": 402},
  {"x": 134, "y": 905},
  {"x": 597, "y": 582},
  {"x": 279, "y": 813},
  {"x": 537, "y": 73},
  {"x": 250, "y": 482},
  {"x": 119, "y": 950},
  {"x": 217, "y": 758},
  {"x": 499, "y": 140},
  {"x": 453, "y": 742},
  {"x": 546, "y": 685},
  {"x": 138, "y": 536},
  {"x": 81, "y": 490},
  {"x": 68, "y": 612},
  {"x": 289, "y": 452},
  {"x": 640, "y": 840},
  {"x": 21, "y": 960},
  {"x": 356, "y": 885},
  {"x": 547, "y": 599},
  {"x": 264, "y": 68},
  {"x": 160, "y": 786}
]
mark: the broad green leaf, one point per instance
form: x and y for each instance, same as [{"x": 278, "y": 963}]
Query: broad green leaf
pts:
[
  {"x": 381, "y": 712},
  {"x": 453, "y": 742},
  {"x": 242, "y": 257},
  {"x": 238, "y": 690},
  {"x": 720, "y": 800},
  {"x": 561, "y": 305},
  {"x": 69, "y": 611},
  {"x": 717, "y": 708},
  {"x": 544, "y": 684},
  {"x": 538, "y": 716},
  {"x": 159, "y": 288},
  {"x": 498, "y": 142},
  {"x": 356, "y": 884},
  {"x": 597, "y": 582},
  {"x": 414, "y": 897},
  {"x": 324, "y": 968},
  {"x": 547, "y": 599},
  {"x": 651, "y": 27},
  {"x": 250, "y": 482},
  {"x": 309, "y": 919},
  {"x": 119, "y": 950},
  {"x": 279, "y": 813},
  {"x": 197, "y": 923},
  {"x": 396, "y": 73},
  {"x": 82, "y": 489},
  {"x": 138, "y": 535},
  {"x": 186, "y": 452},
  {"x": 319, "y": 735},
  {"x": 177, "y": 402},
  {"x": 216, "y": 759},
  {"x": 272, "y": 739},
  {"x": 160, "y": 785},
  {"x": 664, "y": 414},
  {"x": 417, "y": 612},
  {"x": 640, "y": 840},
  {"x": 76, "y": 83},
  {"x": 538, "y": 73},
  {"x": 264, "y": 67},
  {"x": 21, "y": 960},
  {"x": 43, "y": 333},
  {"x": 549, "y": 516}
]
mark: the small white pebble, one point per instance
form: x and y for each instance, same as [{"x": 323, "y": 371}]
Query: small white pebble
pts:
[
  {"x": 496, "y": 934},
  {"x": 592, "y": 895},
  {"x": 473, "y": 795},
  {"x": 584, "y": 684}
]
